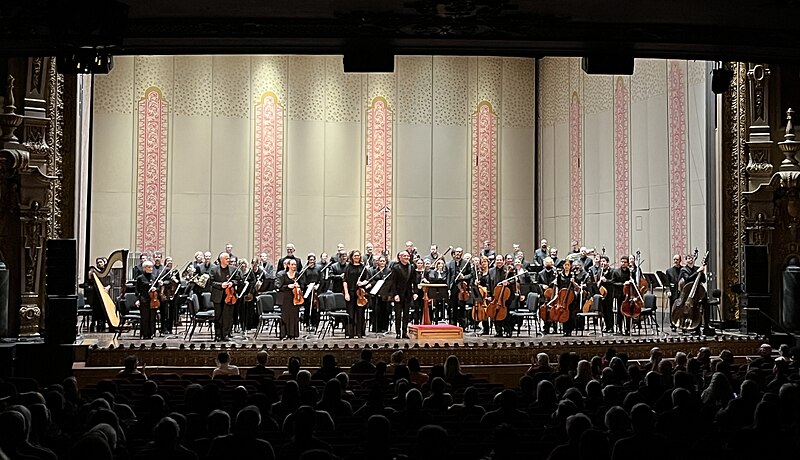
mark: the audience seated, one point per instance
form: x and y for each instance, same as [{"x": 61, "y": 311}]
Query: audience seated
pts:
[
  {"x": 224, "y": 366},
  {"x": 261, "y": 370},
  {"x": 590, "y": 408}
]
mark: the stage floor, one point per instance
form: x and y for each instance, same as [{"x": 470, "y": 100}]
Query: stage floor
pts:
[{"x": 311, "y": 339}]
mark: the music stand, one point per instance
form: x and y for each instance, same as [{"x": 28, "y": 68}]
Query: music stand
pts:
[
  {"x": 431, "y": 292},
  {"x": 655, "y": 282}
]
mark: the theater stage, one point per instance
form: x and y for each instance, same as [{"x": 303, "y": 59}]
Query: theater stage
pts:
[{"x": 499, "y": 360}]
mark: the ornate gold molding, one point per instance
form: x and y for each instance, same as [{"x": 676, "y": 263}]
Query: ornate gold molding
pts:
[{"x": 733, "y": 158}]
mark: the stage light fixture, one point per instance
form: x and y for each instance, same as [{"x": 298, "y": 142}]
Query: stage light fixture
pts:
[
  {"x": 85, "y": 60},
  {"x": 607, "y": 64}
]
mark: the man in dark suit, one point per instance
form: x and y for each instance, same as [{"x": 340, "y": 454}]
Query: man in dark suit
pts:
[
  {"x": 289, "y": 255},
  {"x": 261, "y": 369},
  {"x": 457, "y": 272},
  {"x": 221, "y": 279},
  {"x": 402, "y": 291}
]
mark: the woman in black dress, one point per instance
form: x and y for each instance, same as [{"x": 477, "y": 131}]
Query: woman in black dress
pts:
[
  {"x": 355, "y": 277},
  {"x": 290, "y": 313},
  {"x": 310, "y": 276}
]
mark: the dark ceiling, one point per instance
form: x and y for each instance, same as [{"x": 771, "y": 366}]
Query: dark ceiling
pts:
[{"x": 691, "y": 29}]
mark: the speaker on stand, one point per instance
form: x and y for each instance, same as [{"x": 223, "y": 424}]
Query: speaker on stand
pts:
[{"x": 61, "y": 278}]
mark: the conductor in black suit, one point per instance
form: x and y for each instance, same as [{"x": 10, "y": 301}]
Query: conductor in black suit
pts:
[{"x": 402, "y": 291}]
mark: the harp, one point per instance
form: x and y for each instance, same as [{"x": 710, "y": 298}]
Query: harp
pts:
[{"x": 118, "y": 280}]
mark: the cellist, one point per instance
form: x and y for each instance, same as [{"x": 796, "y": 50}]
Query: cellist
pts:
[
  {"x": 548, "y": 278},
  {"x": 483, "y": 280},
  {"x": 498, "y": 275}
]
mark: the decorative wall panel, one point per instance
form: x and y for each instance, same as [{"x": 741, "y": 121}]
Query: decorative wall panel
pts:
[
  {"x": 677, "y": 157},
  {"x": 268, "y": 194},
  {"x": 113, "y": 93},
  {"x": 193, "y": 87},
  {"x": 621, "y": 168},
  {"x": 378, "y": 178},
  {"x": 342, "y": 92},
  {"x": 450, "y": 86},
  {"x": 414, "y": 88},
  {"x": 519, "y": 83},
  {"x": 151, "y": 183},
  {"x": 484, "y": 175},
  {"x": 575, "y": 174}
]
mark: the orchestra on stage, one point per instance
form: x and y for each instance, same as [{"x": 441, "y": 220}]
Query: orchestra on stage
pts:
[{"x": 486, "y": 292}]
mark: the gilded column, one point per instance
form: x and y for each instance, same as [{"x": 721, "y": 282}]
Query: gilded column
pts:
[{"x": 759, "y": 143}]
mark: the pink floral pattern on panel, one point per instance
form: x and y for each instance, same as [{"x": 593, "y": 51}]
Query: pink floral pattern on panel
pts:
[
  {"x": 677, "y": 157},
  {"x": 379, "y": 173},
  {"x": 484, "y": 175},
  {"x": 575, "y": 176},
  {"x": 621, "y": 169},
  {"x": 151, "y": 183},
  {"x": 268, "y": 196}
]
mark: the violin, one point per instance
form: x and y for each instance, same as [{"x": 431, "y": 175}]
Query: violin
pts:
[
  {"x": 297, "y": 298},
  {"x": 230, "y": 291},
  {"x": 361, "y": 297},
  {"x": 155, "y": 301}
]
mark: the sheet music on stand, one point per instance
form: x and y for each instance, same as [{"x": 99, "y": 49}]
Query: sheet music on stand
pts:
[
  {"x": 309, "y": 290},
  {"x": 378, "y": 285},
  {"x": 654, "y": 280}
]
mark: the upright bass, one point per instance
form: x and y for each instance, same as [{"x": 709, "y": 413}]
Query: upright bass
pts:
[{"x": 686, "y": 311}]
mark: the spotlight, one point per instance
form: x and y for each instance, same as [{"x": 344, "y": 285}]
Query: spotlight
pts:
[
  {"x": 85, "y": 60},
  {"x": 721, "y": 80}
]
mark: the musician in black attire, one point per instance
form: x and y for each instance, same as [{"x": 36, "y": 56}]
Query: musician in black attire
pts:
[
  {"x": 336, "y": 275},
  {"x": 169, "y": 307},
  {"x": 619, "y": 277},
  {"x": 457, "y": 271},
  {"x": 265, "y": 274},
  {"x": 541, "y": 253},
  {"x": 93, "y": 297},
  {"x": 402, "y": 291},
  {"x": 548, "y": 277},
  {"x": 380, "y": 322},
  {"x": 139, "y": 269},
  {"x": 688, "y": 270},
  {"x": 603, "y": 278},
  {"x": 488, "y": 252},
  {"x": 311, "y": 276},
  {"x": 498, "y": 275},
  {"x": 580, "y": 283},
  {"x": 355, "y": 277},
  {"x": 674, "y": 276},
  {"x": 290, "y": 255},
  {"x": 145, "y": 283},
  {"x": 420, "y": 274},
  {"x": 437, "y": 275},
  {"x": 246, "y": 305},
  {"x": 369, "y": 256},
  {"x": 220, "y": 280},
  {"x": 205, "y": 269},
  {"x": 286, "y": 283}
]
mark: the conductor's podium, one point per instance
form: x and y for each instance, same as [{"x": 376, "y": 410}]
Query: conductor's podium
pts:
[{"x": 435, "y": 331}]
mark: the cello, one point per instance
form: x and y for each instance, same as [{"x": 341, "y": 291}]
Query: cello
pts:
[
  {"x": 632, "y": 303},
  {"x": 686, "y": 312},
  {"x": 562, "y": 300}
]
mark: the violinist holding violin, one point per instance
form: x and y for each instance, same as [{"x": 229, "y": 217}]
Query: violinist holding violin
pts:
[
  {"x": 288, "y": 284},
  {"x": 146, "y": 288},
  {"x": 169, "y": 309},
  {"x": 224, "y": 279},
  {"x": 310, "y": 276},
  {"x": 356, "y": 278}
]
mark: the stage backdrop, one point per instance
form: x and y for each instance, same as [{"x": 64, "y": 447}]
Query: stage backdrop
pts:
[
  {"x": 193, "y": 152},
  {"x": 622, "y": 158}
]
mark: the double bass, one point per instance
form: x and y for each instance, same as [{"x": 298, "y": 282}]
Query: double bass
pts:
[{"x": 686, "y": 311}]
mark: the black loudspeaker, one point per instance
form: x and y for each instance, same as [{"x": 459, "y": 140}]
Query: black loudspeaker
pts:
[
  {"x": 756, "y": 270},
  {"x": 368, "y": 57},
  {"x": 754, "y": 317},
  {"x": 61, "y": 319},
  {"x": 61, "y": 262},
  {"x": 607, "y": 64},
  {"x": 790, "y": 301},
  {"x": 721, "y": 80}
]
